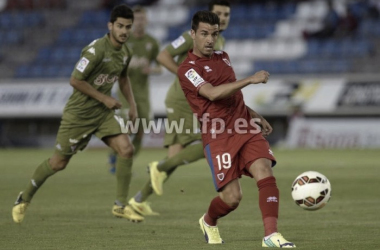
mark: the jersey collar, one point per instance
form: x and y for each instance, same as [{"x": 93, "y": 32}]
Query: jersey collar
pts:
[{"x": 194, "y": 57}]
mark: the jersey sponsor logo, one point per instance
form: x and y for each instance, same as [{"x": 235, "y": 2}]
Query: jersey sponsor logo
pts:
[
  {"x": 219, "y": 52},
  {"x": 82, "y": 64},
  {"x": 227, "y": 62},
  {"x": 192, "y": 62},
  {"x": 178, "y": 42},
  {"x": 91, "y": 50},
  {"x": 105, "y": 78},
  {"x": 207, "y": 68},
  {"x": 194, "y": 78}
]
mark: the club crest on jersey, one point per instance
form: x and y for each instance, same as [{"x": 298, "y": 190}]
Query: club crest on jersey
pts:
[
  {"x": 227, "y": 62},
  {"x": 207, "y": 68},
  {"x": 194, "y": 77},
  {"x": 220, "y": 176}
]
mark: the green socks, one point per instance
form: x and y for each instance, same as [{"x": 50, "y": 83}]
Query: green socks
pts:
[
  {"x": 40, "y": 175},
  {"x": 123, "y": 178},
  {"x": 187, "y": 155},
  {"x": 147, "y": 190}
]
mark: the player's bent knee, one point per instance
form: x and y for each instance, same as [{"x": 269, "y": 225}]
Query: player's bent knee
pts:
[
  {"x": 261, "y": 168},
  {"x": 232, "y": 199},
  {"x": 58, "y": 164},
  {"x": 126, "y": 151}
]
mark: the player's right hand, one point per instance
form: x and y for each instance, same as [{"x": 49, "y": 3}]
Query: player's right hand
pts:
[
  {"x": 112, "y": 103},
  {"x": 260, "y": 77}
]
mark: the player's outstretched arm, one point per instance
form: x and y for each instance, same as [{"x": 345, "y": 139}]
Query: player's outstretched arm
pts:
[
  {"x": 166, "y": 60},
  {"x": 126, "y": 90},
  {"x": 87, "y": 89},
  {"x": 214, "y": 93}
]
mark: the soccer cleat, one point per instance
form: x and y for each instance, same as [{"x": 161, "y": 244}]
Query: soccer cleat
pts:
[
  {"x": 211, "y": 233},
  {"x": 19, "y": 209},
  {"x": 142, "y": 207},
  {"x": 126, "y": 212},
  {"x": 277, "y": 240},
  {"x": 157, "y": 178}
]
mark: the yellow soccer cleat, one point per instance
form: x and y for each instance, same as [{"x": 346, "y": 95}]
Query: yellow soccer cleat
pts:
[
  {"x": 211, "y": 233},
  {"x": 157, "y": 178},
  {"x": 142, "y": 207},
  {"x": 19, "y": 209},
  {"x": 126, "y": 212},
  {"x": 277, "y": 240}
]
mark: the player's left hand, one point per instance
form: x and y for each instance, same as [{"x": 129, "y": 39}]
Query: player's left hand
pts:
[
  {"x": 266, "y": 128},
  {"x": 132, "y": 113}
]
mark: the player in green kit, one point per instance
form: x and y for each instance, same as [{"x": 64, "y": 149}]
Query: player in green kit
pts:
[
  {"x": 90, "y": 110},
  {"x": 185, "y": 147},
  {"x": 145, "y": 49}
]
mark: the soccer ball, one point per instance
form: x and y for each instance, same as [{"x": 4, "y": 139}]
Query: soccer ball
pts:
[{"x": 311, "y": 190}]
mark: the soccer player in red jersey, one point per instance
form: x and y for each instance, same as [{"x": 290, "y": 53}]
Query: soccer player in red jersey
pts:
[{"x": 233, "y": 143}]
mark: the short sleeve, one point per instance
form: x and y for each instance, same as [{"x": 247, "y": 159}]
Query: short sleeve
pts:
[
  {"x": 90, "y": 58},
  {"x": 190, "y": 78},
  {"x": 180, "y": 45}
]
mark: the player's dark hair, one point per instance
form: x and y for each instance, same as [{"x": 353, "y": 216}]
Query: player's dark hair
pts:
[
  {"x": 218, "y": 2},
  {"x": 204, "y": 16},
  {"x": 122, "y": 11}
]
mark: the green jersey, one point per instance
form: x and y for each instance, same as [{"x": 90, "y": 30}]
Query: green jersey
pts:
[
  {"x": 145, "y": 51},
  {"x": 179, "y": 48},
  {"x": 100, "y": 65}
]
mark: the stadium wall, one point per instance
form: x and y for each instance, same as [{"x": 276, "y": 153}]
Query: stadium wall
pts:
[{"x": 30, "y": 110}]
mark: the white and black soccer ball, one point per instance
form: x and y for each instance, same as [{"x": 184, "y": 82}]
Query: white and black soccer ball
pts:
[{"x": 311, "y": 190}]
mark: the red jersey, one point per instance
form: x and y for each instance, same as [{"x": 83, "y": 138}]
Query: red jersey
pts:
[{"x": 217, "y": 118}]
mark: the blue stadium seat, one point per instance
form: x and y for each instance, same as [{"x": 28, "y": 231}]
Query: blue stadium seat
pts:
[
  {"x": 94, "y": 18},
  {"x": 22, "y": 71}
]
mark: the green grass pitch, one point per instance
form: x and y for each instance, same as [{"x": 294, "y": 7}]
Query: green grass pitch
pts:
[{"x": 73, "y": 209}]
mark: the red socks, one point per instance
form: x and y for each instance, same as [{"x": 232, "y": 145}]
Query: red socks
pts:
[
  {"x": 268, "y": 202},
  {"x": 269, "y": 199},
  {"x": 216, "y": 210}
]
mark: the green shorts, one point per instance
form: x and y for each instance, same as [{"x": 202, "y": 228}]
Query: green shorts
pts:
[
  {"x": 190, "y": 132},
  {"x": 74, "y": 134}
]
